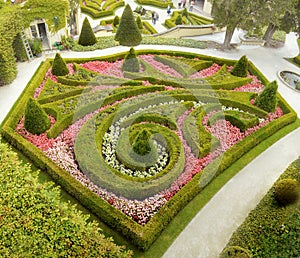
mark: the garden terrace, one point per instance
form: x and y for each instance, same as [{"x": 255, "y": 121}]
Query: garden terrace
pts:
[{"x": 199, "y": 119}]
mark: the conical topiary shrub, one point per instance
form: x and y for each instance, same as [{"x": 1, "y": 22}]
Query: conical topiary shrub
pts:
[
  {"x": 131, "y": 63},
  {"x": 20, "y": 52},
  {"x": 128, "y": 33},
  {"x": 139, "y": 22},
  {"x": 116, "y": 21},
  {"x": 267, "y": 100},
  {"x": 240, "y": 68},
  {"x": 59, "y": 67},
  {"x": 141, "y": 143},
  {"x": 87, "y": 36},
  {"x": 36, "y": 120},
  {"x": 286, "y": 191},
  {"x": 178, "y": 20}
]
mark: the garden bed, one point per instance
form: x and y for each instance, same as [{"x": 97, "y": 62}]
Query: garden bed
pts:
[{"x": 97, "y": 103}]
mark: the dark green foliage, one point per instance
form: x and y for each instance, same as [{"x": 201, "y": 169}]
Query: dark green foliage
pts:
[
  {"x": 267, "y": 100},
  {"x": 235, "y": 252},
  {"x": 20, "y": 52},
  {"x": 87, "y": 36},
  {"x": 141, "y": 143},
  {"x": 131, "y": 63},
  {"x": 178, "y": 20},
  {"x": 59, "y": 66},
  {"x": 139, "y": 22},
  {"x": 36, "y": 46},
  {"x": 128, "y": 33},
  {"x": 240, "y": 68},
  {"x": 287, "y": 191},
  {"x": 36, "y": 120},
  {"x": 36, "y": 223},
  {"x": 185, "y": 13},
  {"x": 116, "y": 21}
]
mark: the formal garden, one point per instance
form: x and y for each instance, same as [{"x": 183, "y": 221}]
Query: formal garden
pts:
[{"x": 142, "y": 139}]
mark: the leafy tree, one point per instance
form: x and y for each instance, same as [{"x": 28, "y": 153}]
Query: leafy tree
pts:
[
  {"x": 36, "y": 223},
  {"x": 240, "y": 68},
  {"x": 231, "y": 14},
  {"x": 36, "y": 119},
  {"x": 267, "y": 100},
  {"x": 87, "y": 36},
  {"x": 74, "y": 5},
  {"x": 128, "y": 33},
  {"x": 131, "y": 63},
  {"x": 59, "y": 66}
]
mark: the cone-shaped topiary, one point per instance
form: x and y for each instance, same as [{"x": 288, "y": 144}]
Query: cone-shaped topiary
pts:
[
  {"x": 20, "y": 52},
  {"x": 87, "y": 36},
  {"x": 141, "y": 143},
  {"x": 178, "y": 20},
  {"x": 59, "y": 67},
  {"x": 139, "y": 22},
  {"x": 240, "y": 68},
  {"x": 131, "y": 63},
  {"x": 116, "y": 21},
  {"x": 267, "y": 100},
  {"x": 36, "y": 120},
  {"x": 128, "y": 33},
  {"x": 286, "y": 191}
]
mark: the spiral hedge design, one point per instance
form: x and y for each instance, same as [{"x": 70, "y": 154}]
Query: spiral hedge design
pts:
[{"x": 196, "y": 118}]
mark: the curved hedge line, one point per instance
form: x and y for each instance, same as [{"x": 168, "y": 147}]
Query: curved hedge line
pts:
[
  {"x": 156, "y": 3},
  {"x": 92, "y": 163}
]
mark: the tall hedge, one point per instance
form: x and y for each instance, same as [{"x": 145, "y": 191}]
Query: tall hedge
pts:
[
  {"x": 59, "y": 66},
  {"x": 128, "y": 33},
  {"x": 240, "y": 68},
  {"x": 87, "y": 36},
  {"x": 36, "y": 120},
  {"x": 267, "y": 100},
  {"x": 36, "y": 223}
]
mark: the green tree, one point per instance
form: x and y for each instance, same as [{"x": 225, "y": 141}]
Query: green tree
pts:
[
  {"x": 131, "y": 63},
  {"x": 59, "y": 67},
  {"x": 36, "y": 120},
  {"x": 128, "y": 33},
  {"x": 19, "y": 49},
  {"x": 116, "y": 21},
  {"x": 231, "y": 14},
  {"x": 35, "y": 222},
  {"x": 87, "y": 36},
  {"x": 267, "y": 100},
  {"x": 240, "y": 68}
]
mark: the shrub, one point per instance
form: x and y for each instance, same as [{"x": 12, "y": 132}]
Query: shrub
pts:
[
  {"x": 267, "y": 100},
  {"x": 139, "y": 22},
  {"x": 20, "y": 52},
  {"x": 178, "y": 20},
  {"x": 131, "y": 63},
  {"x": 36, "y": 223},
  {"x": 141, "y": 143},
  {"x": 286, "y": 191},
  {"x": 128, "y": 33},
  {"x": 59, "y": 66},
  {"x": 87, "y": 36},
  {"x": 235, "y": 252},
  {"x": 36, "y": 120},
  {"x": 240, "y": 68},
  {"x": 116, "y": 21}
]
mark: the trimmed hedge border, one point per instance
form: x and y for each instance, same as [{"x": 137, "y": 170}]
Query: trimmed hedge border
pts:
[{"x": 141, "y": 236}]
